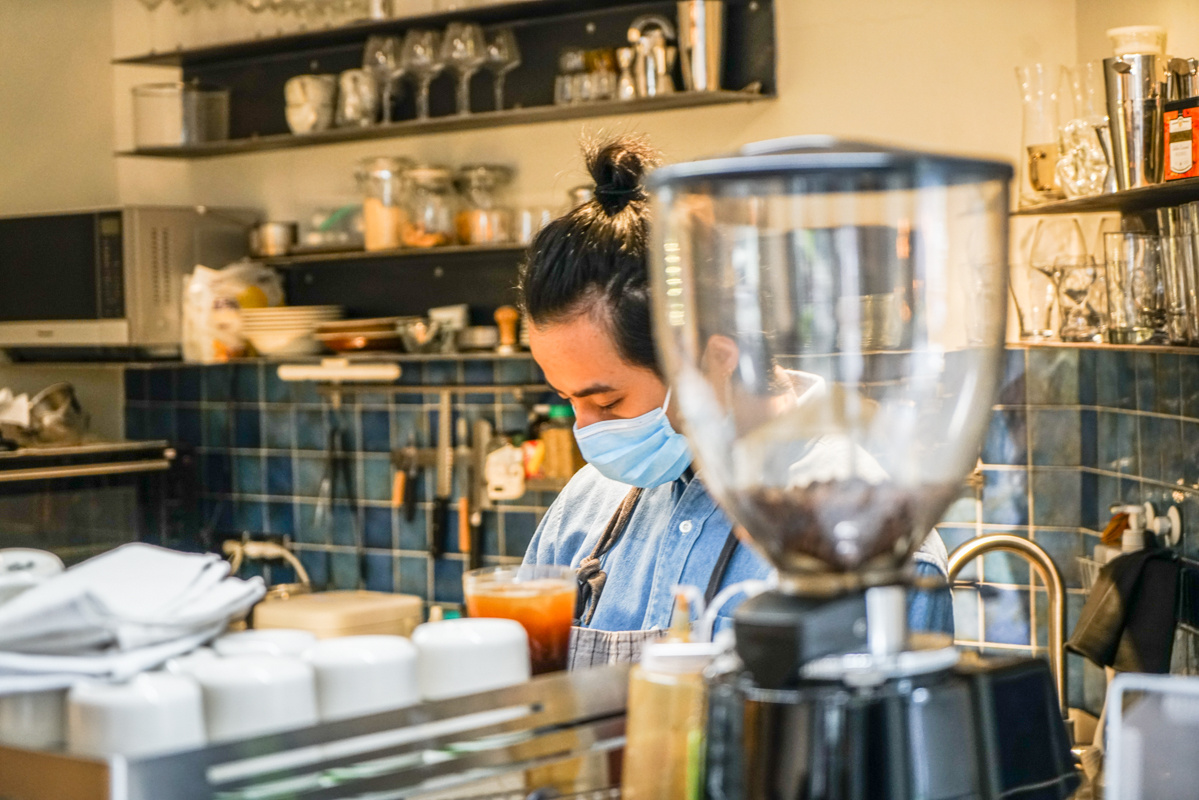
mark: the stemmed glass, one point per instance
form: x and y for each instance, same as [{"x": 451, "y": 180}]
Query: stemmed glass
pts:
[
  {"x": 1055, "y": 238},
  {"x": 1076, "y": 276},
  {"x": 463, "y": 50},
  {"x": 382, "y": 59},
  {"x": 503, "y": 56},
  {"x": 151, "y": 7},
  {"x": 420, "y": 58}
]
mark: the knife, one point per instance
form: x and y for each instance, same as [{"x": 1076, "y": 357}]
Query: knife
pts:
[
  {"x": 479, "y": 501},
  {"x": 445, "y": 475}
]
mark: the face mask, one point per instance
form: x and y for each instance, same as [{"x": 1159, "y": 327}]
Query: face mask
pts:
[{"x": 644, "y": 451}]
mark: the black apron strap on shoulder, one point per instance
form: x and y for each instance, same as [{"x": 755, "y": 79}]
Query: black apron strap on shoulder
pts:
[
  {"x": 721, "y": 568},
  {"x": 591, "y": 578}
]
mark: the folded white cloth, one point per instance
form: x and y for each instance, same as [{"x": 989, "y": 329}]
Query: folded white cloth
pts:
[{"x": 117, "y": 614}]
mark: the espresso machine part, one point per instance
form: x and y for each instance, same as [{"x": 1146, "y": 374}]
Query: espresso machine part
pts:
[
  {"x": 701, "y": 44},
  {"x": 837, "y": 450},
  {"x": 1134, "y": 111},
  {"x": 650, "y": 35}
]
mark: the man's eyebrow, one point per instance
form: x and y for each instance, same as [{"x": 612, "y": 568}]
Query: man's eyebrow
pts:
[{"x": 597, "y": 388}]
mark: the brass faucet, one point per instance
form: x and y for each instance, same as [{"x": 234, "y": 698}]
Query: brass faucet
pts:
[{"x": 1048, "y": 572}]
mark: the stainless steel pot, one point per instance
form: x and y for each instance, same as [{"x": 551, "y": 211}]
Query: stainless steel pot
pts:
[{"x": 273, "y": 238}]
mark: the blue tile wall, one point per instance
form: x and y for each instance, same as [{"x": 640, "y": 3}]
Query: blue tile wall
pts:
[
  {"x": 1074, "y": 431},
  {"x": 261, "y": 447}
]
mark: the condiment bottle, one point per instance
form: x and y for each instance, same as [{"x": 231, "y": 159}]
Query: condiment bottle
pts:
[
  {"x": 663, "y": 758},
  {"x": 562, "y": 456}
]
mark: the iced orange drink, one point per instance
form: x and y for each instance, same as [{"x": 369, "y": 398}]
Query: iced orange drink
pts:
[{"x": 541, "y": 598}]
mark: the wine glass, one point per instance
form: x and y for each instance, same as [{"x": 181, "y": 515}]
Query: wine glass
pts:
[
  {"x": 382, "y": 59},
  {"x": 151, "y": 6},
  {"x": 420, "y": 58},
  {"x": 1056, "y": 237},
  {"x": 463, "y": 50},
  {"x": 1076, "y": 276},
  {"x": 503, "y": 56}
]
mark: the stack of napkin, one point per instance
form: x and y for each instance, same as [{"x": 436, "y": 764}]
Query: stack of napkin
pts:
[{"x": 117, "y": 614}]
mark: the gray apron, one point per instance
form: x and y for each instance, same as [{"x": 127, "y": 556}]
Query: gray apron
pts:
[{"x": 590, "y": 647}]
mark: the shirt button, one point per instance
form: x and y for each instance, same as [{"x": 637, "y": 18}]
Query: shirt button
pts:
[{"x": 685, "y": 526}]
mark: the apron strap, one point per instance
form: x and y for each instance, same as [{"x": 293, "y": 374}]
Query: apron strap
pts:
[
  {"x": 722, "y": 566},
  {"x": 590, "y": 576}
]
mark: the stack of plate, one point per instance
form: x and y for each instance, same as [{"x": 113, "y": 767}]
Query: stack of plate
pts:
[{"x": 286, "y": 330}]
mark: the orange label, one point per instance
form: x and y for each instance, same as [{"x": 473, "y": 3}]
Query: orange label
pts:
[{"x": 1182, "y": 147}]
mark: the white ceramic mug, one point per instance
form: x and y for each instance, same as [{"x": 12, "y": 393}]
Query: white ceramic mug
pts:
[
  {"x": 359, "y": 675},
  {"x": 246, "y": 696},
  {"x": 310, "y": 102},
  {"x": 152, "y": 713},
  {"x": 33, "y": 720},
  {"x": 184, "y": 664},
  {"x": 465, "y": 656},
  {"x": 266, "y": 642}
]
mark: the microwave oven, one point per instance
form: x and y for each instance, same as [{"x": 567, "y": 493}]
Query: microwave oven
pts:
[{"x": 109, "y": 278}]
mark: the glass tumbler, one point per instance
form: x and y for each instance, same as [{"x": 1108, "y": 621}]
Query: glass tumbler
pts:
[
  {"x": 1133, "y": 274},
  {"x": 541, "y": 597}
]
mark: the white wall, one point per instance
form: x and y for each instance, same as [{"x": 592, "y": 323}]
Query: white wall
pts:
[
  {"x": 56, "y": 117},
  {"x": 1179, "y": 17},
  {"x": 931, "y": 73}
]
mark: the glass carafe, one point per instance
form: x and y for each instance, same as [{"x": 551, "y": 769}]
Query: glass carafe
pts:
[
  {"x": 1039, "y": 150},
  {"x": 383, "y": 184}
]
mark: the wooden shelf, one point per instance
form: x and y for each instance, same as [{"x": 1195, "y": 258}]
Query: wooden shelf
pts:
[
  {"x": 477, "y": 121},
  {"x": 1146, "y": 198},
  {"x": 407, "y": 253},
  {"x": 357, "y": 32}
]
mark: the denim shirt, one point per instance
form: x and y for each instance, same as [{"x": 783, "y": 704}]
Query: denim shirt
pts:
[{"x": 675, "y": 536}]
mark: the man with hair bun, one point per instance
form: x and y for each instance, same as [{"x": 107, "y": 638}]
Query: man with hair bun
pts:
[{"x": 637, "y": 520}]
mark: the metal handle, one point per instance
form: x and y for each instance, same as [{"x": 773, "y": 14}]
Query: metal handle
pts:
[
  {"x": 84, "y": 470},
  {"x": 1050, "y": 576}
]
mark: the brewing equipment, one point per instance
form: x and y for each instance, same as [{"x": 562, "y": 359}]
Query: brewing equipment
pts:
[{"x": 831, "y": 317}]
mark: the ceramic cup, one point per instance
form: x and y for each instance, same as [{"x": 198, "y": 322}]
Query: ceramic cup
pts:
[
  {"x": 359, "y": 675},
  {"x": 246, "y": 696},
  {"x": 310, "y": 102},
  {"x": 33, "y": 720},
  {"x": 185, "y": 664},
  {"x": 152, "y": 713},
  {"x": 266, "y": 642},
  {"x": 464, "y": 656}
]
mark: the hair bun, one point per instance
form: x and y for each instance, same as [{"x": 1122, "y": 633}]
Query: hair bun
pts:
[{"x": 617, "y": 167}]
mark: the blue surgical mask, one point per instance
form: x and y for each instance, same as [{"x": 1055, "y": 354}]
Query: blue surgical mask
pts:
[{"x": 643, "y": 451}]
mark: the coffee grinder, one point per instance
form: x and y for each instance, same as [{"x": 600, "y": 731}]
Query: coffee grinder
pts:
[{"x": 831, "y": 316}]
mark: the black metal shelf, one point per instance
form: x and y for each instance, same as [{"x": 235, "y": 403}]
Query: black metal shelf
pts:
[
  {"x": 405, "y": 254},
  {"x": 475, "y": 121},
  {"x": 357, "y": 32},
  {"x": 1129, "y": 201}
]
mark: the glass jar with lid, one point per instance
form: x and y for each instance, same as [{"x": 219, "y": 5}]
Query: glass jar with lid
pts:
[
  {"x": 431, "y": 208},
  {"x": 483, "y": 217},
  {"x": 383, "y": 183}
]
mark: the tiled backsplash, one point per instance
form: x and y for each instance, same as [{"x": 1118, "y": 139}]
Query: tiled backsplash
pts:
[
  {"x": 1075, "y": 429},
  {"x": 261, "y": 456}
]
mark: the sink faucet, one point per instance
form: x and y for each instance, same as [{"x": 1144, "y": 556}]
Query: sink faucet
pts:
[{"x": 1050, "y": 576}]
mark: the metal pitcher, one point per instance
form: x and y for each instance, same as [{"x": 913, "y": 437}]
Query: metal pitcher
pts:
[
  {"x": 701, "y": 44},
  {"x": 1134, "y": 109}
]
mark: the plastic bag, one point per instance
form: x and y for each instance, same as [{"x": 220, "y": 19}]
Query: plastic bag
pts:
[{"x": 212, "y": 304}]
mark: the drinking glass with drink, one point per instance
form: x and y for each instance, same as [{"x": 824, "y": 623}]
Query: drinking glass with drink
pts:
[{"x": 540, "y": 597}]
